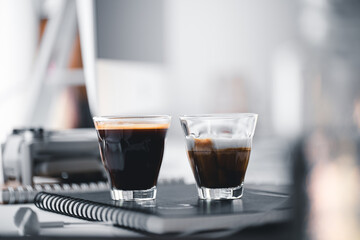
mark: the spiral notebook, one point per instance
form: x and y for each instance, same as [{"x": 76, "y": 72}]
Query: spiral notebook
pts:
[{"x": 176, "y": 209}]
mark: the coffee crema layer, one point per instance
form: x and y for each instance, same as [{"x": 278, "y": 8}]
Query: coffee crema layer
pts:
[
  {"x": 218, "y": 168},
  {"x": 125, "y": 125},
  {"x": 132, "y": 154}
]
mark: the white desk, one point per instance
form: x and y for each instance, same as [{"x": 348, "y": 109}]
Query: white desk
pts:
[{"x": 8, "y": 228}]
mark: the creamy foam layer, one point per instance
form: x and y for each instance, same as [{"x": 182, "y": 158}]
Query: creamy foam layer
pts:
[
  {"x": 216, "y": 143},
  {"x": 124, "y": 125}
]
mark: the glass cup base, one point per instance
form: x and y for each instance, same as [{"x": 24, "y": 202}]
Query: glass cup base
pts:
[
  {"x": 220, "y": 193},
  {"x": 133, "y": 195}
]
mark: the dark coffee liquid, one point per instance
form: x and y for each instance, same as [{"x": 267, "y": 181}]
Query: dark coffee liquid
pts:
[
  {"x": 218, "y": 168},
  {"x": 132, "y": 157}
]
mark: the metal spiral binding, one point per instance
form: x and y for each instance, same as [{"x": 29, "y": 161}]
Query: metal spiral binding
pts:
[{"x": 91, "y": 211}]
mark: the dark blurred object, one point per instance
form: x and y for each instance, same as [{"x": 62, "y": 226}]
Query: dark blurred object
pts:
[
  {"x": 68, "y": 156},
  {"x": 326, "y": 160},
  {"x": 327, "y": 181}
]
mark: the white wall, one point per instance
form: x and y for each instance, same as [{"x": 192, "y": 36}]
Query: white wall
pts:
[
  {"x": 18, "y": 42},
  {"x": 220, "y": 51}
]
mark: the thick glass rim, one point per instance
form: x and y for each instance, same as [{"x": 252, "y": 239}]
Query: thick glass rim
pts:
[
  {"x": 117, "y": 118},
  {"x": 218, "y": 116}
]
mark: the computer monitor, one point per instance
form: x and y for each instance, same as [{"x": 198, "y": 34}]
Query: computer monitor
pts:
[{"x": 123, "y": 54}]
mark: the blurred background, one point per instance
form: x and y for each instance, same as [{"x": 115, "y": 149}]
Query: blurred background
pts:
[{"x": 295, "y": 63}]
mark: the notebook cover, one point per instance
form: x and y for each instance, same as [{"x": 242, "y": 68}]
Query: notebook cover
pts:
[
  {"x": 181, "y": 200},
  {"x": 178, "y": 209}
]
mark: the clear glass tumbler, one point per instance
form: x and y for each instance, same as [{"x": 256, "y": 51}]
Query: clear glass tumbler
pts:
[
  {"x": 219, "y": 147},
  {"x": 131, "y": 149}
]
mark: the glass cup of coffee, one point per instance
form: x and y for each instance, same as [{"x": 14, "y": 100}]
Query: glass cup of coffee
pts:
[
  {"x": 219, "y": 147},
  {"x": 131, "y": 149}
]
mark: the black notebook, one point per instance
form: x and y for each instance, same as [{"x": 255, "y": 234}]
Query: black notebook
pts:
[{"x": 176, "y": 209}]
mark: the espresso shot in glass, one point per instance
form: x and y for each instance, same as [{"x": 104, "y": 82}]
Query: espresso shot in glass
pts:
[
  {"x": 219, "y": 147},
  {"x": 131, "y": 149}
]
